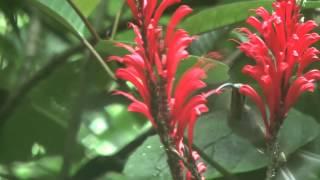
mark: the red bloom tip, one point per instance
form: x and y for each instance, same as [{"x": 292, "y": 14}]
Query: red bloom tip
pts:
[
  {"x": 137, "y": 106},
  {"x": 133, "y": 6},
  {"x": 179, "y": 14},
  {"x": 299, "y": 86}
]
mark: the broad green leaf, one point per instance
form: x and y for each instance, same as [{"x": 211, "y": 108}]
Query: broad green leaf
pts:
[
  {"x": 298, "y": 130},
  {"x": 303, "y": 164},
  {"x": 113, "y": 176},
  {"x": 106, "y": 131},
  {"x": 44, "y": 168},
  {"x": 209, "y": 41},
  {"x": 148, "y": 162},
  {"x": 218, "y": 73},
  {"x": 25, "y": 128},
  {"x": 222, "y": 15},
  {"x": 234, "y": 153},
  {"x": 309, "y": 103},
  {"x": 63, "y": 13},
  {"x": 42, "y": 117},
  {"x": 86, "y": 6},
  {"x": 310, "y": 4},
  {"x": 231, "y": 151},
  {"x": 226, "y": 14},
  {"x": 3, "y": 24}
]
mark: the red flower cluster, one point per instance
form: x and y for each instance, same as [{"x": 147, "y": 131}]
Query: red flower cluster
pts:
[
  {"x": 281, "y": 55},
  {"x": 151, "y": 67}
]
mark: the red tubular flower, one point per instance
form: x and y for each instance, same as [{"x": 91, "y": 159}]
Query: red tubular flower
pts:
[
  {"x": 151, "y": 67},
  {"x": 281, "y": 55}
]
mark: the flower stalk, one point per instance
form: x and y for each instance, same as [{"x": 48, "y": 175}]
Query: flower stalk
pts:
[
  {"x": 161, "y": 113},
  {"x": 273, "y": 149}
]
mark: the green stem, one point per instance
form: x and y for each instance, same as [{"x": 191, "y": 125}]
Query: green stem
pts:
[
  {"x": 85, "y": 21},
  {"x": 273, "y": 147},
  {"x": 116, "y": 21},
  {"x": 274, "y": 160},
  {"x": 98, "y": 57}
]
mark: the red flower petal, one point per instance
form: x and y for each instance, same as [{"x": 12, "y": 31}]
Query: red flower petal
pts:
[
  {"x": 125, "y": 46},
  {"x": 189, "y": 83},
  {"x": 163, "y": 6},
  {"x": 133, "y": 7},
  {"x": 131, "y": 75},
  {"x": 149, "y": 10},
  {"x": 197, "y": 111},
  {"x": 176, "y": 51},
  {"x": 137, "y": 106},
  {"x": 194, "y": 107},
  {"x": 180, "y": 13},
  {"x": 312, "y": 75},
  {"x": 299, "y": 86}
]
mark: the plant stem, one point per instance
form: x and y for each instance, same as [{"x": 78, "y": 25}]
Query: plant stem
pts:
[
  {"x": 274, "y": 161},
  {"x": 98, "y": 57},
  {"x": 173, "y": 160},
  {"x": 85, "y": 21},
  {"x": 162, "y": 119},
  {"x": 273, "y": 148},
  {"x": 116, "y": 21}
]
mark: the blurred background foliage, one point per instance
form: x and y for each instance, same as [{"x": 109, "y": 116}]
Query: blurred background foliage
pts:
[{"x": 59, "y": 119}]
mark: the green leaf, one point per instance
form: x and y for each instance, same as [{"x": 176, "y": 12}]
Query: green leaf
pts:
[
  {"x": 214, "y": 137},
  {"x": 113, "y": 176},
  {"x": 148, "y": 162},
  {"x": 210, "y": 41},
  {"x": 219, "y": 16},
  {"x": 226, "y": 14},
  {"x": 239, "y": 155},
  {"x": 298, "y": 130},
  {"x": 104, "y": 132},
  {"x": 63, "y": 13},
  {"x": 311, "y": 4},
  {"x": 44, "y": 168},
  {"x": 231, "y": 151},
  {"x": 42, "y": 117},
  {"x": 86, "y": 6},
  {"x": 304, "y": 164},
  {"x": 308, "y": 103},
  {"x": 108, "y": 47},
  {"x": 26, "y": 127},
  {"x": 218, "y": 73}
]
